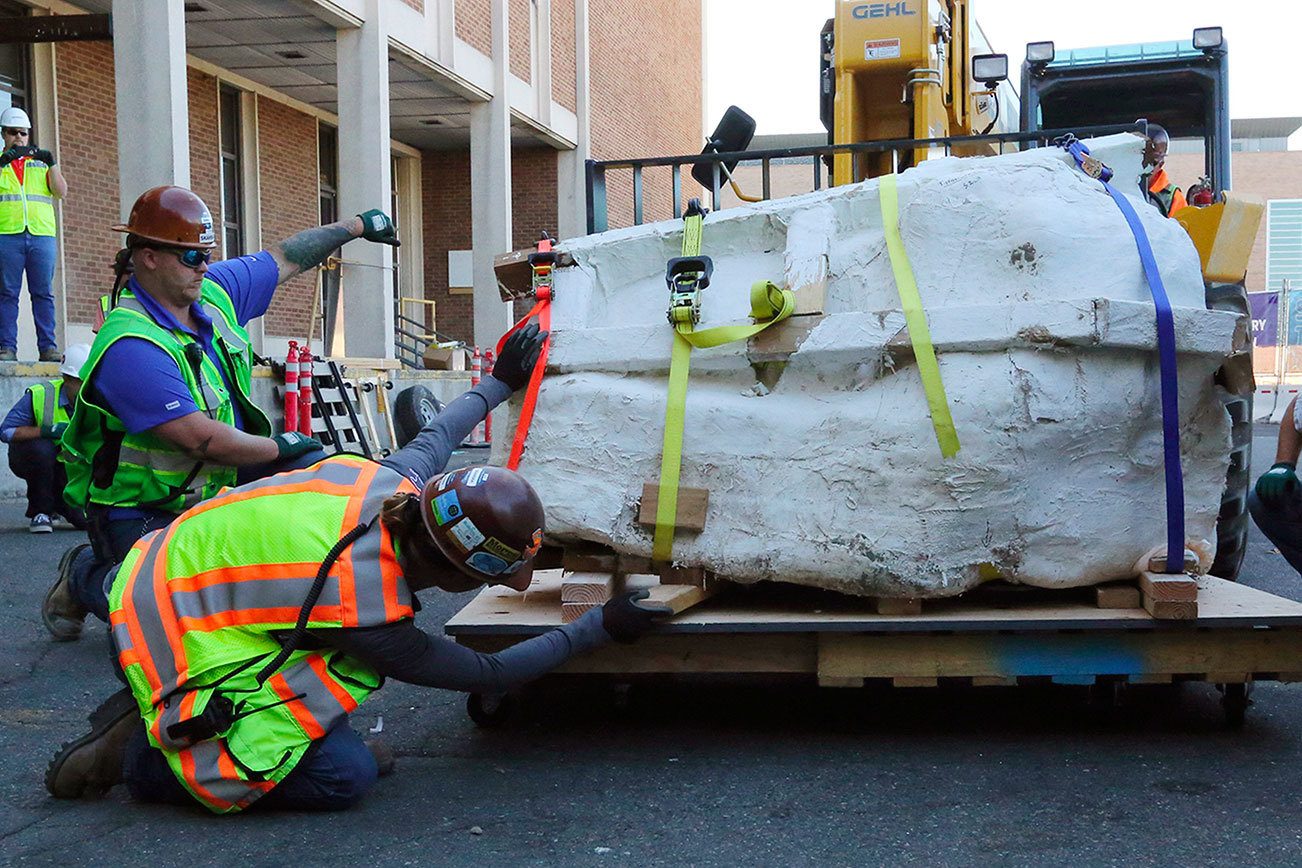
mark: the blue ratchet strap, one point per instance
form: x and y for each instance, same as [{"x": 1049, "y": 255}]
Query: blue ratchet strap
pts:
[{"x": 1165, "y": 354}]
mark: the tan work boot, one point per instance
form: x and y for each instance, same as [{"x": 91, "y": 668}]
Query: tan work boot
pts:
[
  {"x": 61, "y": 614},
  {"x": 92, "y": 764},
  {"x": 383, "y": 755}
]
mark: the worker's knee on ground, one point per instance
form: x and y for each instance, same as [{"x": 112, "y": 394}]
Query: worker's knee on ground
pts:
[{"x": 343, "y": 774}]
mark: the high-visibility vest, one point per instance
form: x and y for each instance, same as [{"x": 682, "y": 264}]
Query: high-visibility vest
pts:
[
  {"x": 195, "y": 607},
  {"x": 1167, "y": 195},
  {"x": 46, "y": 407},
  {"x": 27, "y": 206},
  {"x": 109, "y": 466}
]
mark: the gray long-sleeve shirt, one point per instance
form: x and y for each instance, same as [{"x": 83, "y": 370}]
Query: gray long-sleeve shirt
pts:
[{"x": 404, "y": 651}]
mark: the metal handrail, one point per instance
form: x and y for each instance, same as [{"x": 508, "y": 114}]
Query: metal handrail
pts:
[{"x": 595, "y": 170}]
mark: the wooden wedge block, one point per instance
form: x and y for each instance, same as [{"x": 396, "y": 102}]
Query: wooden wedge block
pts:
[
  {"x": 1228, "y": 677},
  {"x": 1125, "y": 596},
  {"x": 839, "y": 681},
  {"x": 583, "y": 560},
  {"x": 898, "y": 606},
  {"x": 777, "y": 342},
  {"x": 692, "y": 506},
  {"x": 993, "y": 681},
  {"x": 1172, "y": 588},
  {"x": 1171, "y": 610},
  {"x": 671, "y": 574},
  {"x": 586, "y": 587},
  {"x": 574, "y": 611},
  {"x": 632, "y": 564},
  {"x": 679, "y": 598}
]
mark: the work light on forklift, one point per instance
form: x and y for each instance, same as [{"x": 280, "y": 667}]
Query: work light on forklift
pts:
[
  {"x": 990, "y": 69},
  {"x": 1039, "y": 52},
  {"x": 1208, "y": 38}
]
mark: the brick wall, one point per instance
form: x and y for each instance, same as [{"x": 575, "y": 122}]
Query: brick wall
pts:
[
  {"x": 475, "y": 24},
  {"x": 519, "y": 13},
  {"x": 205, "y": 149},
  {"x": 563, "y": 54},
  {"x": 418, "y": 5},
  {"x": 288, "y": 167},
  {"x": 88, "y": 153},
  {"x": 445, "y": 185},
  {"x": 646, "y": 94}
]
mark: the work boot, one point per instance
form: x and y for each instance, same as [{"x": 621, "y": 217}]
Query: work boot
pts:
[
  {"x": 60, "y": 612},
  {"x": 92, "y": 764},
  {"x": 8, "y": 354},
  {"x": 382, "y": 754},
  {"x": 51, "y": 354}
]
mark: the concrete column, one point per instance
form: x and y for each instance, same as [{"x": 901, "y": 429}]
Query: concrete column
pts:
[
  {"x": 365, "y": 182},
  {"x": 152, "y": 105},
  {"x": 571, "y": 203},
  {"x": 490, "y": 188},
  {"x": 542, "y": 55}
]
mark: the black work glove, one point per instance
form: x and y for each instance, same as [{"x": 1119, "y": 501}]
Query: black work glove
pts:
[
  {"x": 625, "y": 619},
  {"x": 292, "y": 445},
  {"x": 377, "y": 227},
  {"x": 519, "y": 355},
  {"x": 43, "y": 155},
  {"x": 12, "y": 154}
]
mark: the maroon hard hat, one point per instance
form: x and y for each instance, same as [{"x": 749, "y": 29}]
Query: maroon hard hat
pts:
[
  {"x": 488, "y": 521},
  {"x": 173, "y": 216}
]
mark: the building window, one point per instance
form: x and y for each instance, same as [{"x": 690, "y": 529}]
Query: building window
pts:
[
  {"x": 1284, "y": 259},
  {"x": 15, "y": 66},
  {"x": 232, "y": 172},
  {"x": 327, "y": 150}
]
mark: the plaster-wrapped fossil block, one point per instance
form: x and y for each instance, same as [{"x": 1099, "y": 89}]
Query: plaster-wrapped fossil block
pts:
[{"x": 824, "y": 469}]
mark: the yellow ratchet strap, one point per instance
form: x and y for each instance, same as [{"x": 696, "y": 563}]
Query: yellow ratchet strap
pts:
[
  {"x": 769, "y": 304},
  {"x": 916, "y": 319}
]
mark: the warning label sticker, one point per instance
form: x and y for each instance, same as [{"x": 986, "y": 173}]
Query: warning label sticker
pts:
[{"x": 881, "y": 49}]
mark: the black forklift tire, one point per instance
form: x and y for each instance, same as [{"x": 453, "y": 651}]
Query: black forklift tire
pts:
[
  {"x": 1237, "y": 388},
  {"x": 413, "y": 409},
  {"x": 490, "y": 712}
]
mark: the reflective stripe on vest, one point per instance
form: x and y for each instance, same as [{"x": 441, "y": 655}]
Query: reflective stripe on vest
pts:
[
  {"x": 45, "y": 396},
  {"x": 196, "y": 607},
  {"x": 26, "y": 206}
]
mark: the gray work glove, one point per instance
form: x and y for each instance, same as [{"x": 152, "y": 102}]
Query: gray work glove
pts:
[
  {"x": 626, "y": 619},
  {"x": 378, "y": 227},
  {"x": 293, "y": 445}
]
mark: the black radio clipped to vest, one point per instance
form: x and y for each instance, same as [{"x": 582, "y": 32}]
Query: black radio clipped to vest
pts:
[{"x": 217, "y": 717}]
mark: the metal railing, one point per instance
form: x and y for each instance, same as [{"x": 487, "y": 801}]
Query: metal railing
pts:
[{"x": 596, "y": 170}]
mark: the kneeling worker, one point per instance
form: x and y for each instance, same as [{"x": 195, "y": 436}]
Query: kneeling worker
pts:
[
  {"x": 247, "y": 639},
  {"x": 1276, "y": 500},
  {"x": 32, "y": 429},
  {"x": 165, "y": 419}
]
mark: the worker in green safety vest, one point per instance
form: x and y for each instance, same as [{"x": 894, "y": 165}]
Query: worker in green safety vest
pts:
[
  {"x": 30, "y": 182},
  {"x": 165, "y": 418},
  {"x": 32, "y": 429}
]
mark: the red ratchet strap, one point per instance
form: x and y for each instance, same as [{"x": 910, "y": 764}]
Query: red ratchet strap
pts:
[{"x": 543, "y": 260}]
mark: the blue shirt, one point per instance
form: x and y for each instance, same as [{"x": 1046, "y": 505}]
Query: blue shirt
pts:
[
  {"x": 23, "y": 414},
  {"x": 140, "y": 382}
]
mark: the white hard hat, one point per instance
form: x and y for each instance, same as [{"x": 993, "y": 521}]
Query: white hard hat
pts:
[
  {"x": 74, "y": 360},
  {"x": 15, "y": 117}
]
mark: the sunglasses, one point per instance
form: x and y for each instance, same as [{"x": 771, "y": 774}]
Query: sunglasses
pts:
[
  {"x": 189, "y": 257},
  {"x": 14, "y": 131}
]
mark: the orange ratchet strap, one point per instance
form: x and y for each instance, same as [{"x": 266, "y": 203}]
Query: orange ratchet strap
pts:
[{"x": 542, "y": 261}]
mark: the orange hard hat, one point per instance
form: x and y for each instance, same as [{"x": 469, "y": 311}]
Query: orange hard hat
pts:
[
  {"x": 488, "y": 521},
  {"x": 173, "y": 216}
]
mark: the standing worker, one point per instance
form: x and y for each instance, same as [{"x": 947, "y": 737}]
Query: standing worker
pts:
[
  {"x": 1161, "y": 192},
  {"x": 1276, "y": 500},
  {"x": 29, "y": 183},
  {"x": 32, "y": 429},
  {"x": 246, "y": 640},
  {"x": 165, "y": 419}
]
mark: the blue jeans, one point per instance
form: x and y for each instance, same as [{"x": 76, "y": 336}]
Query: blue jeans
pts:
[
  {"x": 334, "y": 774},
  {"x": 34, "y": 254},
  {"x": 36, "y": 462},
  {"x": 110, "y": 540},
  {"x": 1281, "y": 522}
]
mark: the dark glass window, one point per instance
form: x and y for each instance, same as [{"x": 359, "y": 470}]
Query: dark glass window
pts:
[
  {"x": 327, "y": 148},
  {"x": 15, "y": 66},
  {"x": 232, "y": 172}
]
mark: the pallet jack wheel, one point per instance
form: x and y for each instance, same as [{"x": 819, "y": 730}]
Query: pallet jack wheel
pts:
[
  {"x": 490, "y": 711},
  {"x": 1235, "y": 701}
]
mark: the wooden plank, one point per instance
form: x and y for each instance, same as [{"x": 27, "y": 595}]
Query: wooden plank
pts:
[
  {"x": 1172, "y": 588},
  {"x": 693, "y": 504},
  {"x": 574, "y": 611},
  {"x": 585, "y": 560},
  {"x": 673, "y": 574},
  {"x": 914, "y": 681},
  {"x": 1171, "y": 610},
  {"x": 812, "y": 297},
  {"x": 1117, "y": 597},
  {"x": 1149, "y": 678},
  {"x": 993, "y": 681},
  {"x": 515, "y": 275},
  {"x": 898, "y": 606},
  {"x": 835, "y": 681},
  {"x": 1288, "y": 676},
  {"x": 680, "y": 598},
  {"x": 1228, "y": 677},
  {"x": 586, "y": 587}
]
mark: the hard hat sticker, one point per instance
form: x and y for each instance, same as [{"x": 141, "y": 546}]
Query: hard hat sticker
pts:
[
  {"x": 206, "y": 236},
  {"x": 476, "y": 476},
  {"x": 447, "y": 507},
  {"x": 535, "y": 544},
  {"x": 489, "y": 565},
  {"x": 445, "y": 481},
  {"x": 466, "y": 534},
  {"x": 501, "y": 549}
]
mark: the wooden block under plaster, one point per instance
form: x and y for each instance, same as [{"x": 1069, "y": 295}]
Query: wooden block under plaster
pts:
[{"x": 693, "y": 503}]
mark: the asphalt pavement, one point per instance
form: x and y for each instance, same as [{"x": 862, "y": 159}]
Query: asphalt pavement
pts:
[{"x": 703, "y": 774}]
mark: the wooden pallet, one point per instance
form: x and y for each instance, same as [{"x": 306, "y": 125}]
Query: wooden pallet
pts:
[{"x": 1239, "y": 635}]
